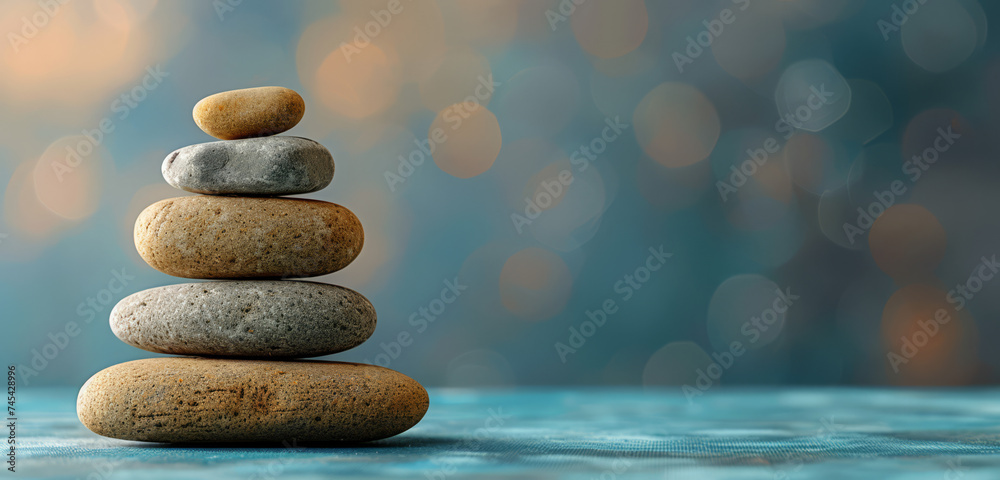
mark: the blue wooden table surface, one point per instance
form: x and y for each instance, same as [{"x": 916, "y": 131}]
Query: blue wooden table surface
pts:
[{"x": 585, "y": 433}]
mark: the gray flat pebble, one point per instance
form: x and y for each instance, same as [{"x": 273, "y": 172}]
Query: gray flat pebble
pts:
[
  {"x": 264, "y": 166},
  {"x": 259, "y": 319}
]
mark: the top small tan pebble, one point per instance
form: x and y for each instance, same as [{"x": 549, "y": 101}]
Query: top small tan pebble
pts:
[{"x": 250, "y": 112}]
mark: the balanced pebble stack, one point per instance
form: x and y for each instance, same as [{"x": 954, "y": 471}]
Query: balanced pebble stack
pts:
[{"x": 240, "y": 380}]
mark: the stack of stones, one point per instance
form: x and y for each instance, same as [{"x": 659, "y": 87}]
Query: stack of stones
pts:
[{"x": 239, "y": 381}]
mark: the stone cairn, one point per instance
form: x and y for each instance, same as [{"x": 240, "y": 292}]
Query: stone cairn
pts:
[{"x": 240, "y": 381}]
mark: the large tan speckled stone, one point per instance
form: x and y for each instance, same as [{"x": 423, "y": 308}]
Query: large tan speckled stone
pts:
[
  {"x": 250, "y": 112},
  {"x": 190, "y": 399},
  {"x": 209, "y": 236}
]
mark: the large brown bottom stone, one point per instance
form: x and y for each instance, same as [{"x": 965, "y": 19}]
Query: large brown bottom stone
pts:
[{"x": 190, "y": 399}]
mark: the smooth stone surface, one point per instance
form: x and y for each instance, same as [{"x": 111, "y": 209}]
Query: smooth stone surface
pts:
[
  {"x": 248, "y": 318},
  {"x": 191, "y": 399},
  {"x": 250, "y": 112},
  {"x": 252, "y": 166},
  {"x": 207, "y": 236}
]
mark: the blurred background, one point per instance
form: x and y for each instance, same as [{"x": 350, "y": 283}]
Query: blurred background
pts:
[{"x": 679, "y": 192}]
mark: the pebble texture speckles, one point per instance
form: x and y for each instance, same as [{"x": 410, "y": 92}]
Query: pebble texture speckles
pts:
[
  {"x": 189, "y": 399},
  {"x": 242, "y": 318},
  {"x": 250, "y": 112},
  {"x": 244, "y": 237},
  {"x": 253, "y": 166}
]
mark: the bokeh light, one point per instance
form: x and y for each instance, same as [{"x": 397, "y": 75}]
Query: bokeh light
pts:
[
  {"x": 535, "y": 284},
  {"x": 547, "y": 184},
  {"x": 617, "y": 85},
  {"x": 752, "y": 44},
  {"x": 932, "y": 135},
  {"x": 66, "y": 177},
  {"x": 944, "y": 34},
  {"x": 835, "y": 214},
  {"x": 575, "y": 214},
  {"x": 414, "y": 37},
  {"x": 520, "y": 162},
  {"x": 676, "y": 364},
  {"x": 749, "y": 309},
  {"x": 103, "y": 57},
  {"x": 946, "y": 357},
  {"x": 870, "y": 114},
  {"x": 461, "y": 75},
  {"x": 873, "y": 172},
  {"x": 814, "y": 164},
  {"x": 676, "y": 125},
  {"x": 609, "y": 29},
  {"x": 754, "y": 209},
  {"x": 483, "y": 23},
  {"x": 124, "y": 14},
  {"x": 774, "y": 245},
  {"x": 907, "y": 242},
  {"x": 811, "y": 95},
  {"x": 386, "y": 228},
  {"x": 359, "y": 84},
  {"x": 22, "y": 208},
  {"x": 748, "y": 163},
  {"x": 466, "y": 139}
]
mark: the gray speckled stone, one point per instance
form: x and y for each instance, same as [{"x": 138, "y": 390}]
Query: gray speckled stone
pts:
[
  {"x": 264, "y": 318},
  {"x": 252, "y": 166}
]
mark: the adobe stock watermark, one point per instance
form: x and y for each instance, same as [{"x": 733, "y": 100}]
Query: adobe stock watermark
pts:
[
  {"x": 913, "y": 169},
  {"x": 103, "y": 468},
  {"x": 626, "y": 288},
  {"x": 955, "y": 469},
  {"x": 225, "y": 7},
  {"x": 276, "y": 468},
  {"x": 619, "y": 466},
  {"x": 421, "y": 321},
  {"x": 828, "y": 427},
  {"x": 554, "y": 188},
  {"x": 494, "y": 422},
  {"x": 900, "y": 14},
  {"x": 87, "y": 310},
  {"x": 32, "y": 25},
  {"x": 455, "y": 115},
  {"x": 123, "y": 106},
  {"x": 786, "y": 126},
  {"x": 958, "y": 297},
  {"x": 563, "y": 11},
  {"x": 714, "y": 28},
  {"x": 363, "y": 36},
  {"x": 752, "y": 330}
]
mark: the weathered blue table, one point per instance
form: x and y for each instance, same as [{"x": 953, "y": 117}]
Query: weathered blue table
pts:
[{"x": 606, "y": 434}]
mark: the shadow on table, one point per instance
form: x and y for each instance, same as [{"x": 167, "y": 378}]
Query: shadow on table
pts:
[
  {"x": 396, "y": 442},
  {"x": 707, "y": 450}
]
